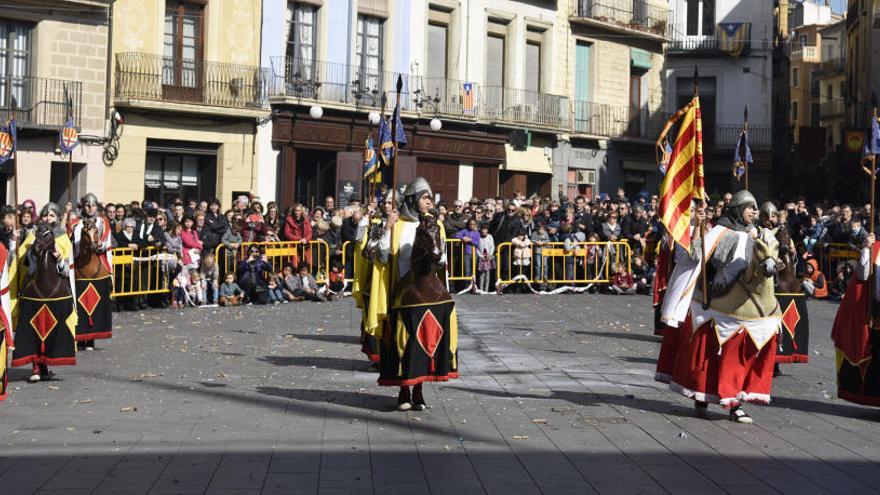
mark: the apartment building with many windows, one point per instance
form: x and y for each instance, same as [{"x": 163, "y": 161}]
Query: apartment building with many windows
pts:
[
  {"x": 531, "y": 95},
  {"x": 730, "y": 43},
  {"x": 53, "y": 65}
]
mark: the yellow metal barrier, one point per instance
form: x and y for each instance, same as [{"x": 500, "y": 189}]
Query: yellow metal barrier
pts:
[
  {"x": 830, "y": 254},
  {"x": 458, "y": 267},
  {"x": 139, "y": 271},
  {"x": 278, "y": 254},
  {"x": 551, "y": 263},
  {"x": 348, "y": 275}
]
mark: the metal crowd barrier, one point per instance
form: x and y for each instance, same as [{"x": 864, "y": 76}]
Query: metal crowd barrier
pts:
[
  {"x": 457, "y": 266},
  {"x": 551, "y": 263},
  {"x": 140, "y": 271},
  {"x": 279, "y": 254},
  {"x": 831, "y": 254}
]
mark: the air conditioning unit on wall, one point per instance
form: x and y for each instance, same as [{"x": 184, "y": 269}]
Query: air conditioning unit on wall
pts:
[{"x": 586, "y": 176}]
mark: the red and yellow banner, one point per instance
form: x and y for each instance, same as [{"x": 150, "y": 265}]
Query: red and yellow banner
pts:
[{"x": 683, "y": 181}]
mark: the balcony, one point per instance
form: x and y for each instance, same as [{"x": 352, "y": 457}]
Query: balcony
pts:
[
  {"x": 722, "y": 138},
  {"x": 143, "y": 80},
  {"x": 301, "y": 81},
  {"x": 807, "y": 53},
  {"x": 629, "y": 16},
  {"x": 831, "y": 108},
  {"x": 41, "y": 102},
  {"x": 517, "y": 106},
  {"x": 832, "y": 66},
  {"x": 597, "y": 119}
]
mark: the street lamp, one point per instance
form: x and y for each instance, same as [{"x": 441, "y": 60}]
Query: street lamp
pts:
[
  {"x": 301, "y": 85},
  {"x": 373, "y": 117},
  {"x": 433, "y": 103}
]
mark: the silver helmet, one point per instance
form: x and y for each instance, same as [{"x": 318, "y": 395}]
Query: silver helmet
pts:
[
  {"x": 735, "y": 210},
  {"x": 766, "y": 213},
  {"x": 88, "y": 200},
  {"x": 409, "y": 207}
]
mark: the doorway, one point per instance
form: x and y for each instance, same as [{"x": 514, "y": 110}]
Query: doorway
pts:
[{"x": 315, "y": 176}]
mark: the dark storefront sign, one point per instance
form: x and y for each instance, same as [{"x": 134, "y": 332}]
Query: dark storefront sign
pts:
[{"x": 436, "y": 155}]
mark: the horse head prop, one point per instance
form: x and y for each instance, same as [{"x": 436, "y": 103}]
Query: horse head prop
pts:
[
  {"x": 45, "y": 280},
  {"x": 425, "y": 264},
  {"x": 753, "y": 295},
  {"x": 87, "y": 262},
  {"x": 787, "y": 281}
]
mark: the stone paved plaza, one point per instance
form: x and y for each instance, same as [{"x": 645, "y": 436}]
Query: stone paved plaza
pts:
[{"x": 557, "y": 396}]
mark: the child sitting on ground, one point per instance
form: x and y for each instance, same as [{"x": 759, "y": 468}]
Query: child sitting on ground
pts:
[
  {"x": 230, "y": 292},
  {"x": 336, "y": 278},
  {"x": 622, "y": 282},
  {"x": 194, "y": 289},
  {"x": 276, "y": 296}
]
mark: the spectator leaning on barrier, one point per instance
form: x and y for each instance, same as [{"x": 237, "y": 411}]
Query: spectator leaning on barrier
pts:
[{"x": 470, "y": 239}]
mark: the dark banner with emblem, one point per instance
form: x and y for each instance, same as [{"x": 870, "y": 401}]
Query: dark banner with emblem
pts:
[
  {"x": 94, "y": 309},
  {"x": 427, "y": 355},
  {"x": 793, "y": 344},
  {"x": 42, "y": 335}
]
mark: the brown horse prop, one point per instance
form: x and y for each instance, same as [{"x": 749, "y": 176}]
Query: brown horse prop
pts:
[
  {"x": 423, "y": 343},
  {"x": 94, "y": 286},
  {"x": 46, "y": 320}
]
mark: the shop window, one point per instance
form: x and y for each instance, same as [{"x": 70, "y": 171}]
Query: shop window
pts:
[{"x": 168, "y": 176}]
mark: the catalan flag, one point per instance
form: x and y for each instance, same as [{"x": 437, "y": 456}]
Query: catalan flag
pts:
[
  {"x": 467, "y": 98},
  {"x": 734, "y": 37},
  {"x": 683, "y": 181},
  {"x": 7, "y": 140}
]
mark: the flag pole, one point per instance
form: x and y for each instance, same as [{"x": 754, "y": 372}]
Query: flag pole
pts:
[
  {"x": 394, "y": 141},
  {"x": 742, "y": 155},
  {"x": 14, "y": 167},
  {"x": 873, "y": 159},
  {"x": 702, "y": 225}
]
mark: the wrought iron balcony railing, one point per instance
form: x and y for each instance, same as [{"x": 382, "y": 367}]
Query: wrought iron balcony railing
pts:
[
  {"x": 616, "y": 121},
  {"x": 168, "y": 79},
  {"x": 40, "y": 102},
  {"x": 723, "y": 137},
  {"x": 831, "y": 108},
  {"x": 631, "y": 14},
  {"x": 517, "y": 106},
  {"x": 352, "y": 85}
]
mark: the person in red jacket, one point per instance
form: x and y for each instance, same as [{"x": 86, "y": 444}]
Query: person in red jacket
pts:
[
  {"x": 192, "y": 245},
  {"x": 298, "y": 228}
]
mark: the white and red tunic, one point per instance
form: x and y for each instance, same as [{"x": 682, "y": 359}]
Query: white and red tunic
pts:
[{"x": 712, "y": 356}]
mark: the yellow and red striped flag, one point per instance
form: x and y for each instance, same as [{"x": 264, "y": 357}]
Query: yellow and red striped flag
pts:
[{"x": 683, "y": 181}]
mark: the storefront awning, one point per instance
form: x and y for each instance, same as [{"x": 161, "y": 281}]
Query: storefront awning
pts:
[{"x": 639, "y": 58}]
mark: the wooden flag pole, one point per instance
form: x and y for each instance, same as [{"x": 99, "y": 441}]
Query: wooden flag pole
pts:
[
  {"x": 702, "y": 225},
  {"x": 742, "y": 153},
  {"x": 394, "y": 141},
  {"x": 14, "y": 158},
  {"x": 872, "y": 159}
]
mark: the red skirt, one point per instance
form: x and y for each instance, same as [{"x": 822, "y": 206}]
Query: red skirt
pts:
[
  {"x": 669, "y": 350},
  {"x": 736, "y": 372}
]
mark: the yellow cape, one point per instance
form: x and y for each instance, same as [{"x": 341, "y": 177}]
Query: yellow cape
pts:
[{"x": 18, "y": 275}]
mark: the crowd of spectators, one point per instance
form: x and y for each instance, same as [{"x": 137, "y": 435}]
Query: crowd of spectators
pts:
[{"x": 511, "y": 237}]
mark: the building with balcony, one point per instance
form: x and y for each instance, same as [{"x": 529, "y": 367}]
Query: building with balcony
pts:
[
  {"x": 186, "y": 77},
  {"x": 615, "y": 67},
  {"x": 862, "y": 52},
  {"x": 489, "y": 70},
  {"x": 730, "y": 43},
  {"x": 54, "y": 67},
  {"x": 832, "y": 87}
]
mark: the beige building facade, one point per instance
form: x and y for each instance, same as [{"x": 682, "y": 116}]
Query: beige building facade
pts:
[
  {"x": 187, "y": 80},
  {"x": 56, "y": 63}
]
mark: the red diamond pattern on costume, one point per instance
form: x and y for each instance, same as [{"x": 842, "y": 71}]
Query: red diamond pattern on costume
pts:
[
  {"x": 791, "y": 317},
  {"x": 89, "y": 299},
  {"x": 44, "y": 322},
  {"x": 429, "y": 333}
]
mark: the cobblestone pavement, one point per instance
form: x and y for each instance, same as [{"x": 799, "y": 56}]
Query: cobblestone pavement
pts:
[{"x": 557, "y": 396}]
